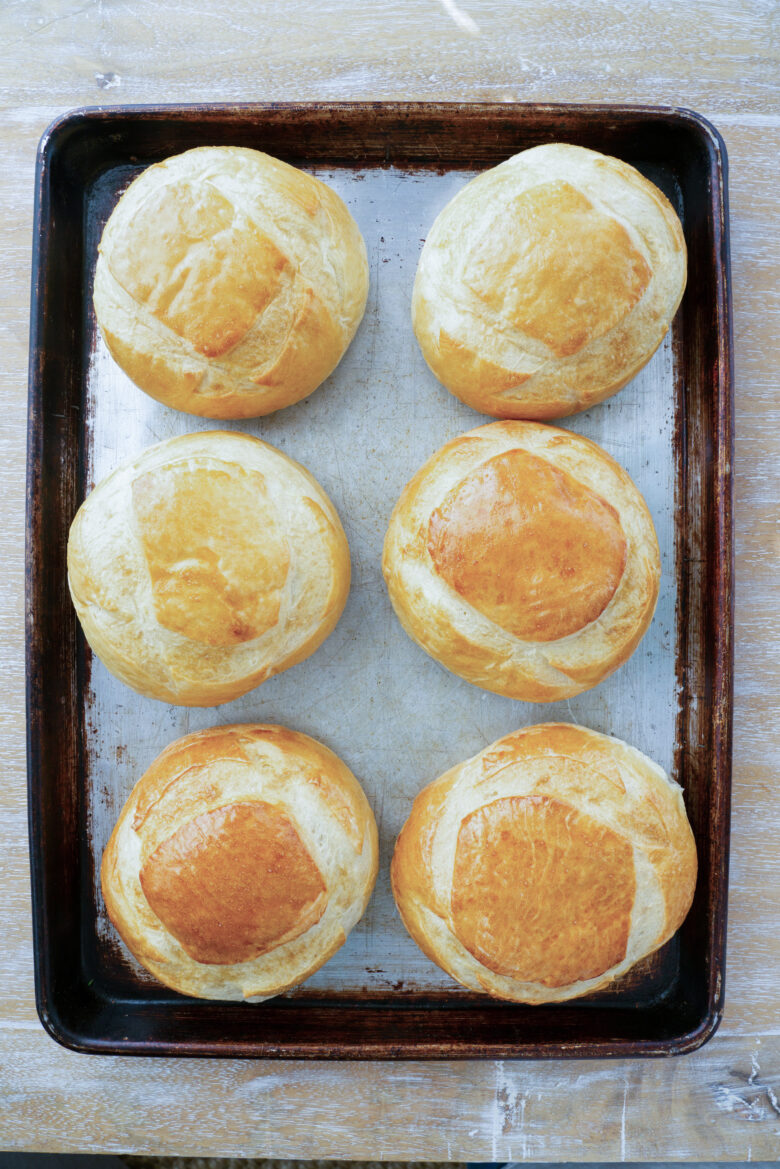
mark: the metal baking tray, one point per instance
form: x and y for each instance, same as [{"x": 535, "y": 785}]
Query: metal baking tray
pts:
[{"x": 396, "y": 717}]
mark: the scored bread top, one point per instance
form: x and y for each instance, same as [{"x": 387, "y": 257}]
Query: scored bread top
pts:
[
  {"x": 548, "y": 282},
  {"x": 547, "y": 865},
  {"x": 228, "y": 283},
  {"x": 524, "y": 559},
  {"x": 240, "y": 862},
  {"x": 205, "y": 565}
]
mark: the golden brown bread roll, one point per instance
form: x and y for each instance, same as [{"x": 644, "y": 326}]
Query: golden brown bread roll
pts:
[
  {"x": 548, "y": 282},
  {"x": 240, "y": 862},
  {"x": 547, "y": 865},
  {"x": 523, "y": 558},
  {"x": 205, "y": 565},
  {"x": 228, "y": 283}
]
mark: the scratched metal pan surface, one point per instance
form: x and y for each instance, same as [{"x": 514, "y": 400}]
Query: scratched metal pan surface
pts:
[{"x": 396, "y": 717}]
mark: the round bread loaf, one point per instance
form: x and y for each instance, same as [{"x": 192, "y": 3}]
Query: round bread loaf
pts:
[
  {"x": 547, "y": 865},
  {"x": 228, "y": 283},
  {"x": 240, "y": 862},
  {"x": 524, "y": 559},
  {"x": 548, "y": 282},
  {"x": 205, "y": 565}
]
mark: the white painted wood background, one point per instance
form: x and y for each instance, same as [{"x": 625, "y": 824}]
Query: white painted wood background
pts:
[{"x": 722, "y": 59}]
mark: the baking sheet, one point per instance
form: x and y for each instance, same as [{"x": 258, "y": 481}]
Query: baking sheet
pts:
[{"x": 395, "y": 716}]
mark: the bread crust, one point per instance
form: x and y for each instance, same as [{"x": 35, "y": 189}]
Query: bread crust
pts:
[
  {"x": 291, "y": 781},
  {"x": 548, "y": 282},
  {"x": 205, "y": 565},
  {"x": 460, "y": 634},
  {"x": 228, "y": 283},
  {"x": 592, "y": 865}
]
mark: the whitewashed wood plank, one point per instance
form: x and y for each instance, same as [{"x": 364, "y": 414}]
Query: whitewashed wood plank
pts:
[
  {"x": 719, "y": 1104},
  {"x": 721, "y": 58}
]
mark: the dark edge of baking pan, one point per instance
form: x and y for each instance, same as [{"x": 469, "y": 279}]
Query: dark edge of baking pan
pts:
[{"x": 74, "y": 1008}]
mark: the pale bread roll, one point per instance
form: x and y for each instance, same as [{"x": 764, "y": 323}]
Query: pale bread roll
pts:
[
  {"x": 240, "y": 862},
  {"x": 205, "y": 565},
  {"x": 545, "y": 867},
  {"x": 548, "y": 282},
  {"x": 229, "y": 284},
  {"x": 524, "y": 559}
]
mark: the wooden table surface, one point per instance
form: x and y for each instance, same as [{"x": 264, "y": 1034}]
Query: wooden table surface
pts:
[{"x": 721, "y": 58}]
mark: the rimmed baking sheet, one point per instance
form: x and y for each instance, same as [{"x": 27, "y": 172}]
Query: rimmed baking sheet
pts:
[{"x": 397, "y": 718}]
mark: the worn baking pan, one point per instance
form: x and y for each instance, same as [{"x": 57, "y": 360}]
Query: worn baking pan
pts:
[{"x": 396, "y": 717}]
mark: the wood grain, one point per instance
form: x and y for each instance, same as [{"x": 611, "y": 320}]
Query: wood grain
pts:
[
  {"x": 722, "y": 1101},
  {"x": 723, "y": 60}
]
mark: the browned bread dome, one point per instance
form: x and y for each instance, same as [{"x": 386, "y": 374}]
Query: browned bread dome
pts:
[
  {"x": 548, "y": 282},
  {"x": 228, "y": 283},
  {"x": 205, "y": 565},
  {"x": 240, "y": 862},
  {"x": 547, "y": 865},
  {"x": 524, "y": 559}
]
